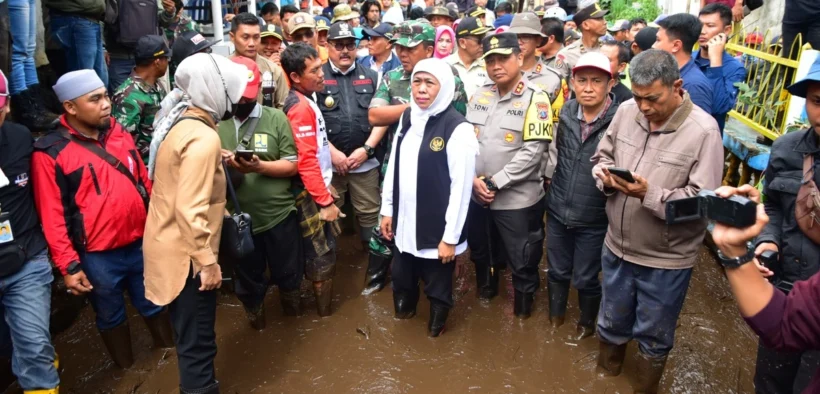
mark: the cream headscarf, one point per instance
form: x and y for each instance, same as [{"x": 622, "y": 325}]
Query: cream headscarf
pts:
[
  {"x": 204, "y": 81},
  {"x": 442, "y": 72}
]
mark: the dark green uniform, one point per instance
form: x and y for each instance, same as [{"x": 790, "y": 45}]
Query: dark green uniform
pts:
[{"x": 134, "y": 105}]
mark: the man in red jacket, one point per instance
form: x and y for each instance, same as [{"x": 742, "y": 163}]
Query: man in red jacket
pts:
[
  {"x": 303, "y": 67},
  {"x": 91, "y": 189}
]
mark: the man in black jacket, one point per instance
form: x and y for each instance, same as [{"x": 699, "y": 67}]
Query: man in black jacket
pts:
[
  {"x": 577, "y": 220},
  {"x": 777, "y": 372},
  {"x": 25, "y": 272},
  {"x": 344, "y": 102}
]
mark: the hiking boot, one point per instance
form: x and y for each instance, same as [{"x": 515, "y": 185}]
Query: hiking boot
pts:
[{"x": 118, "y": 342}]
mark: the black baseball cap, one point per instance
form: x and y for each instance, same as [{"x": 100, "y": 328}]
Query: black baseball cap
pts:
[
  {"x": 592, "y": 11},
  {"x": 187, "y": 44},
  {"x": 340, "y": 30},
  {"x": 151, "y": 47},
  {"x": 475, "y": 11},
  {"x": 382, "y": 30},
  {"x": 646, "y": 38},
  {"x": 501, "y": 43},
  {"x": 470, "y": 26}
]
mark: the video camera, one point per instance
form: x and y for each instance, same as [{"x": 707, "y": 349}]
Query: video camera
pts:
[{"x": 734, "y": 211}]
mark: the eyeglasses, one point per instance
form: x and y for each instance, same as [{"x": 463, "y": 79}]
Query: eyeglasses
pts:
[
  {"x": 301, "y": 35},
  {"x": 340, "y": 46}
]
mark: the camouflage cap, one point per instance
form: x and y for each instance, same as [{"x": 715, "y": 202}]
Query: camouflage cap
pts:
[{"x": 412, "y": 33}]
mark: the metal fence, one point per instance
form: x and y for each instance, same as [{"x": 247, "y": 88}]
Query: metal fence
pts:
[{"x": 762, "y": 99}]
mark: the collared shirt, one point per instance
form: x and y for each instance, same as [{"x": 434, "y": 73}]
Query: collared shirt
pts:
[
  {"x": 339, "y": 71},
  {"x": 569, "y": 55},
  {"x": 134, "y": 105},
  {"x": 723, "y": 79},
  {"x": 257, "y": 110},
  {"x": 586, "y": 128},
  {"x": 389, "y": 64},
  {"x": 473, "y": 76},
  {"x": 698, "y": 86}
]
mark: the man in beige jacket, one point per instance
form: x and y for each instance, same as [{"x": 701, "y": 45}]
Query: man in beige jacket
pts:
[{"x": 673, "y": 150}]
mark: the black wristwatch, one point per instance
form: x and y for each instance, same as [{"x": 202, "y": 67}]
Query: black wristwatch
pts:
[
  {"x": 369, "y": 150},
  {"x": 491, "y": 186},
  {"x": 73, "y": 268},
  {"x": 735, "y": 262}
]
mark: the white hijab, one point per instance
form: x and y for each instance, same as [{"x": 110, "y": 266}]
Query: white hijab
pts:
[
  {"x": 204, "y": 81},
  {"x": 442, "y": 72}
]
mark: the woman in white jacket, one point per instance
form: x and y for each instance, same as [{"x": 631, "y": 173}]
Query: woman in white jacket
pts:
[{"x": 426, "y": 193}]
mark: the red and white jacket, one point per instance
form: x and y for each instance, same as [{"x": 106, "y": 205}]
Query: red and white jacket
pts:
[{"x": 312, "y": 146}]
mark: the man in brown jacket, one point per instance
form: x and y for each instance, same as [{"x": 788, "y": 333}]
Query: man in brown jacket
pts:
[{"x": 673, "y": 149}]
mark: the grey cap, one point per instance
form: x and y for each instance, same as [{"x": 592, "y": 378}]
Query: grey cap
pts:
[{"x": 77, "y": 84}]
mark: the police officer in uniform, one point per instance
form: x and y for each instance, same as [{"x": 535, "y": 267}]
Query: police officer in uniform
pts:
[
  {"x": 591, "y": 23},
  {"x": 513, "y": 123},
  {"x": 344, "y": 103}
]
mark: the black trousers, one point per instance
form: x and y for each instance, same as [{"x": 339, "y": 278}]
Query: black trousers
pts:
[
  {"x": 437, "y": 278},
  {"x": 809, "y": 31},
  {"x": 784, "y": 372},
  {"x": 521, "y": 234},
  {"x": 193, "y": 315},
  {"x": 278, "y": 249},
  {"x": 574, "y": 253}
]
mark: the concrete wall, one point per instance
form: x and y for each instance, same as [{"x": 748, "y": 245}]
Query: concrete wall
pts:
[{"x": 767, "y": 17}]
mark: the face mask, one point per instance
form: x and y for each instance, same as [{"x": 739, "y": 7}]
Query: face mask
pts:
[
  {"x": 362, "y": 53},
  {"x": 243, "y": 110}
]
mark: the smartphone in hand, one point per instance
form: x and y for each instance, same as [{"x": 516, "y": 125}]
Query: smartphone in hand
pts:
[
  {"x": 246, "y": 155},
  {"x": 622, "y": 173}
]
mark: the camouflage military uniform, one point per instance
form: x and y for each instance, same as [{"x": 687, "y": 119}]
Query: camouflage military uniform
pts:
[
  {"x": 134, "y": 105},
  {"x": 395, "y": 90}
]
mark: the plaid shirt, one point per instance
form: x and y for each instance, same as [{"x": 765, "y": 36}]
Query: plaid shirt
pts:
[{"x": 586, "y": 128}]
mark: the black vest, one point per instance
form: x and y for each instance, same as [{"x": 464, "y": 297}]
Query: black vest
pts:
[
  {"x": 344, "y": 103},
  {"x": 433, "y": 180}
]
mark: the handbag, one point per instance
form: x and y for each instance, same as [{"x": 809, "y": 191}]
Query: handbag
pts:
[
  {"x": 807, "y": 206},
  {"x": 237, "y": 238}
]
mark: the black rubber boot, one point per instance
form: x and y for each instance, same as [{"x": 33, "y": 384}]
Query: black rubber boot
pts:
[
  {"x": 212, "y": 388},
  {"x": 522, "y": 306},
  {"x": 118, "y": 342},
  {"x": 486, "y": 281},
  {"x": 650, "y": 372},
  {"x": 589, "y": 311},
  {"x": 159, "y": 326},
  {"x": 438, "y": 317},
  {"x": 323, "y": 292},
  {"x": 610, "y": 358},
  {"x": 558, "y": 293},
  {"x": 291, "y": 302},
  {"x": 376, "y": 277},
  {"x": 256, "y": 316},
  {"x": 25, "y": 110},
  {"x": 405, "y": 304}
]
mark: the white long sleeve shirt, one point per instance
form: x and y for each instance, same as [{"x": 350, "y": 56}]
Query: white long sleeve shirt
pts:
[{"x": 462, "y": 148}]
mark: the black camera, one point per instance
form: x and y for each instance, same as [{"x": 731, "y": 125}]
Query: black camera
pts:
[{"x": 734, "y": 211}]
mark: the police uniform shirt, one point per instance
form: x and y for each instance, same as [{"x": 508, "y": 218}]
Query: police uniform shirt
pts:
[
  {"x": 473, "y": 77},
  {"x": 513, "y": 133},
  {"x": 566, "y": 58}
]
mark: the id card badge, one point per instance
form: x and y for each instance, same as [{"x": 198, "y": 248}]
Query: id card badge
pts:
[{"x": 6, "y": 234}]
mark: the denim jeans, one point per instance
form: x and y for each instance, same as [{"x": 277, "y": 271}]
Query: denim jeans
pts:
[
  {"x": 642, "y": 303},
  {"x": 82, "y": 40},
  {"x": 23, "y": 44},
  {"x": 26, "y": 307},
  {"x": 111, "y": 273},
  {"x": 118, "y": 71}
]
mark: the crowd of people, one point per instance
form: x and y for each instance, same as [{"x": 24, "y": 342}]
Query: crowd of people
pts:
[{"x": 445, "y": 127}]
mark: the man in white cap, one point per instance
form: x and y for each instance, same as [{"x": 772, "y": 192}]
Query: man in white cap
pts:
[
  {"x": 577, "y": 219},
  {"x": 91, "y": 189}
]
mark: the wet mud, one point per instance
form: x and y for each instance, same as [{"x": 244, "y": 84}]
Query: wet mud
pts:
[{"x": 361, "y": 348}]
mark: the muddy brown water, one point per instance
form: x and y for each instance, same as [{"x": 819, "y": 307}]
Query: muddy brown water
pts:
[{"x": 361, "y": 348}]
